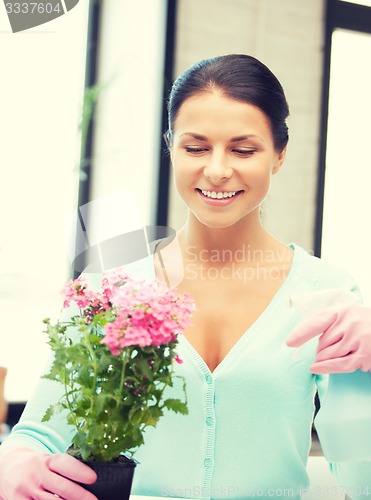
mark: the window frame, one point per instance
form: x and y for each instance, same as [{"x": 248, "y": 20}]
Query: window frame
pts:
[{"x": 353, "y": 17}]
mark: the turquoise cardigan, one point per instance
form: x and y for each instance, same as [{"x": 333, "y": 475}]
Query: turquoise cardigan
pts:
[{"x": 248, "y": 432}]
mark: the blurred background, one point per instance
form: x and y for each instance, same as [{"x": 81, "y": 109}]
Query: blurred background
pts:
[{"x": 82, "y": 112}]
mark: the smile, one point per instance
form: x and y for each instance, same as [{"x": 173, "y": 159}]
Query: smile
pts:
[{"x": 219, "y": 195}]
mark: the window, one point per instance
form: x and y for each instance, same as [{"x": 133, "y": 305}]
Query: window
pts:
[
  {"x": 42, "y": 88},
  {"x": 359, "y": 2},
  {"x": 347, "y": 204},
  {"x": 42, "y": 85}
]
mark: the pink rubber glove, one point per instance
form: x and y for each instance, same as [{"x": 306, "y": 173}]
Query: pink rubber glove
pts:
[
  {"x": 27, "y": 474},
  {"x": 344, "y": 344}
]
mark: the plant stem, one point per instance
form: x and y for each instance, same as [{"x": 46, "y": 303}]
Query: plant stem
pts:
[
  {"x": 94, "y": 365},
  {"x": 122, "y": 379},
  {"x": 75, "y": 421}
]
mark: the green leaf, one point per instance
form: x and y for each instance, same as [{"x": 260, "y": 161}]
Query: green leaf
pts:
[
  {"x": 85, "y": 377},
  {"x": 152, "y": 415},
  {"x": 176, "y": 405},
  {"x": 52, "y": 410},
  {"x": 48, "y": 414}
]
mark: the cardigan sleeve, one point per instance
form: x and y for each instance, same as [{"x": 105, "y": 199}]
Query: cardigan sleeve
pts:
[
  {"x": 352, "y": 471},
  {"x": 54, "y": 436}
]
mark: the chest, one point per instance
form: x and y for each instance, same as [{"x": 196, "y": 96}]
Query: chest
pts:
[
  {"x": 229, "y": 298},
  {"x": 224, "y": 314}
]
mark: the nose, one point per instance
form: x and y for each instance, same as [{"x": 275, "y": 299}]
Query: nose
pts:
[{"x": 216, "y": 169}]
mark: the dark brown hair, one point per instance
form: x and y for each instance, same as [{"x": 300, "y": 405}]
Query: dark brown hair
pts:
[{"x": 240, "y": 77}]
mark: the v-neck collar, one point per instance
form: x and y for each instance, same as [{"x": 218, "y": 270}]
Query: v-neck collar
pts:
[{"x": 264, "y": 317}]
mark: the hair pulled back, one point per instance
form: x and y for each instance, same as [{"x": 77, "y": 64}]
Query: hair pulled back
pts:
[{"x": 239, "y": 77}]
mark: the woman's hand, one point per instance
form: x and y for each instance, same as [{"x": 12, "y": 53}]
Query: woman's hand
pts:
[
  {"x": 344, "y": 344},
  {"x": 25, "y": 474}
]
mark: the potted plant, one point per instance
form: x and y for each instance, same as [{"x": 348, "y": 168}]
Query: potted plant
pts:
[{"x": 114, "y": 355}]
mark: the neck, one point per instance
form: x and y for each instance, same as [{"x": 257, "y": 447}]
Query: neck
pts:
[{"x": 244, "y": 237}]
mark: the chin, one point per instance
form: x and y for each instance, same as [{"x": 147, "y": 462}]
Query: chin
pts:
[{"x": 215, "y": 223}]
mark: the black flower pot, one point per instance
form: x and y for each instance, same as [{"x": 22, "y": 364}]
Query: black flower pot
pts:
[{"x": 114, "y": 479}]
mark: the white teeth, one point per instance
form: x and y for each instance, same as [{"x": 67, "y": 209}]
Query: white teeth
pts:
[{"x": 219, "y": 195}]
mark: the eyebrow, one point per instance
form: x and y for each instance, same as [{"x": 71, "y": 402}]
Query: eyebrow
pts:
[{"x": 234, "y": 139}]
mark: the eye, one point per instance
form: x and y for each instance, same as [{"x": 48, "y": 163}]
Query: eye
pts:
[
  {"x": 195, "y": 149},
  {"x": 244, "y": 151}
]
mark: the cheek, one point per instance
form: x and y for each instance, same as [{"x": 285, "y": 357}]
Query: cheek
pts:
[
  {"x": 184, "y": 169},
  {"x": 181, "y": 175},
  {"x": 257, "y": 174}
]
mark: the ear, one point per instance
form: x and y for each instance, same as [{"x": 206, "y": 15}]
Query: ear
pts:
[
  {"x": 166, "y": 137},
  {"x": 279, "y": 160},
  {"x": 167, "y": 140}
]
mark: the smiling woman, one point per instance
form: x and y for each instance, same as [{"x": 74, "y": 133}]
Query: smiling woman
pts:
[
  {"x": 235, "y": 90},
  {"x": 223, "y": 167},
  {"x": 250, "y": 396}
]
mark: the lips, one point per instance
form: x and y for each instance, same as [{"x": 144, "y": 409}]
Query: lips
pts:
[
  {"x": 218, "y": 198},
  {"x": 218, "y": 195}
]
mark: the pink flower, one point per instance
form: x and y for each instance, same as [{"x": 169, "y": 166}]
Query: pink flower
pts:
[
  {"x": 144, "y": 313},
  {"x": 178, "y": 359},
  {"x": 137, "y": 314},
  {"x": 77, "y": 291},
  {"x": 136, "y": 336}
]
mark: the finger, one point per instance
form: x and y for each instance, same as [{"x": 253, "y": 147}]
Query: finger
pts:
[
  {"x": 333, "y": 337},
  {"x": 332, "y": 350},
  {"x": 66, "y": 489},
  {"x": 310, "y": 328},
  {"x": 330, "y": 353},
  {"x": 71, "y": 468},
  {"x": 339, "y": 365},
  {"x": 26, "y": 494},
  {"x": 40, "y": 495}
]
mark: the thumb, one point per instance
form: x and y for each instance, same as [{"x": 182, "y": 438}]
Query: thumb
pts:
[{"x": 311, "y": 327}]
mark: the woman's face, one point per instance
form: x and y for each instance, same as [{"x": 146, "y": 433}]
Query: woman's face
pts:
[{"x": 223, "y": 156}]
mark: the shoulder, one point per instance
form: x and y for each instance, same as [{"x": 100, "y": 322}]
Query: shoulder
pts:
[{"x": 321, "y": 274}]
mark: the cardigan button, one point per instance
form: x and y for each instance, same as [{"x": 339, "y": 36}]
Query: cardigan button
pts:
[
  {"x": 209, "y": 379},
  {"x": 209, "y": 421},
  {"x": 208, "y": 462}
]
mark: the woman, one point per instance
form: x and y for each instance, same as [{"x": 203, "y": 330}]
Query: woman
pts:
[{"x": 250, "y": 396}]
